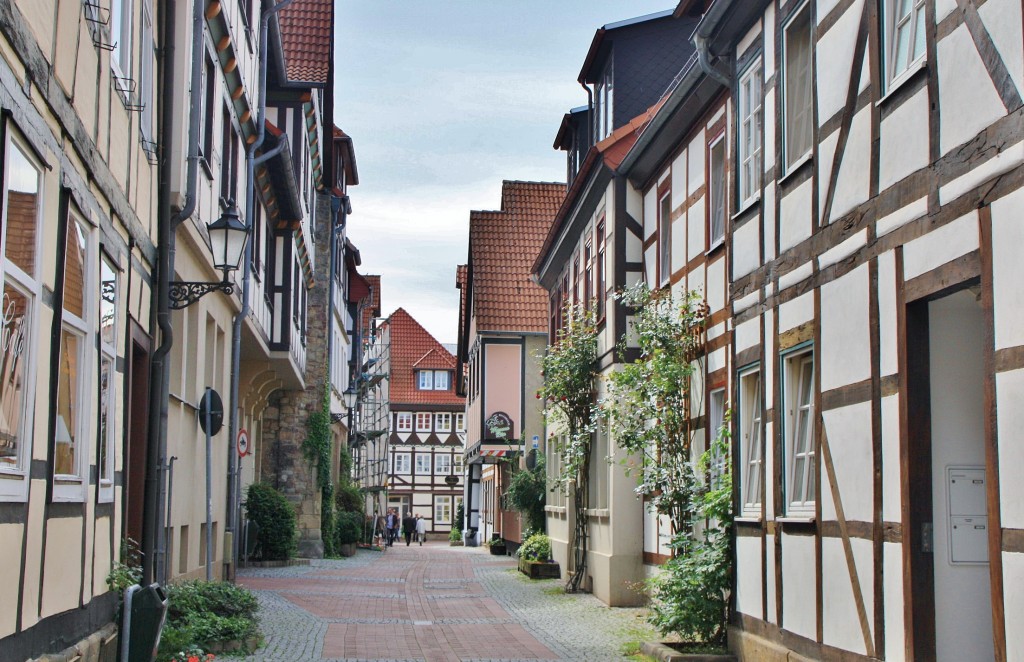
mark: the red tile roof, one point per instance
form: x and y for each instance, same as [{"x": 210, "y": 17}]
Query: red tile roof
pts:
[
  {"x": 412, "y": 348},
  {"x": 502, "y": 248},
  {"x": 306, "y": 40}
]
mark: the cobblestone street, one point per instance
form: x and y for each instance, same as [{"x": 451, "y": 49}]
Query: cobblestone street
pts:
[{"x": 433, "y": 603}]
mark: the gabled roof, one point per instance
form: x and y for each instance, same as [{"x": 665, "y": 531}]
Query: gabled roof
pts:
[
  {"x": 413, "y": 348},
  {"x": 306, "y": 40},
  {"x": 502, "y": 247},
  {"x": 586, "y": 75}
]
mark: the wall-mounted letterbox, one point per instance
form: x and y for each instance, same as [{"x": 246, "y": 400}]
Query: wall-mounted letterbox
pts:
[{"x": 968, "y": 515}]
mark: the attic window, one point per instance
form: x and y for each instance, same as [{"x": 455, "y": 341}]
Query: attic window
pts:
[
  {"x": 432, "y": 380},
  {"x": 604, "y": 99}
]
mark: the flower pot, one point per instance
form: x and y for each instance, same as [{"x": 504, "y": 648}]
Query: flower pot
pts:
[
  {"x": 497, "y": 550},
  {"x": 347, "y": 549},
  {"x": 540, "y": 569},
  {"x": 669, "y": 653}
]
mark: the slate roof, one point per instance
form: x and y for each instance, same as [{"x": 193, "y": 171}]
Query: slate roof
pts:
[
  {"x": 306, "y": 40},
  {"x": 412, "y": 347},
  {"x": 502, "y": 248}
]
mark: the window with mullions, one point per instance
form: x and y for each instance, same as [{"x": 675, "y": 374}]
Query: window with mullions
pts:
[
  {"x": 442, "y": 510},
  {"x": 750, "y": 438},
  {"x": 588, "y": 274},
  {"x": 664, "y": 239},
  {"x": 904, "y": 36},
  {"x": 443, "y": 465},
  {"x": 22, "y": 208},
  {"x": 605, "y": 102},
  {"x": 423, "y": 421},
  {"x": 798, "y": 422},
  {"x": 147, "y": 55},
  {"x": 716, "y": 419},
  {"x": 460, "y": 422},
  {"x": 716, "y": 183},
  {"x": 440, "y": 380},
  {"x": 443, "y": 422},
  {"x": 750, "y": 124},
  {"x": 402, "y": 463},
  {"x": 106, "y": 440},
  {"x": 209, "y": 110},
  {"x": 403, "y": 422},
  {"x": 796, "y": 78},
  {"x": 422, "y": 463},
  {"x": 71, "y": 436},
  {"x": 229, "y": 160},
  {"x": 121, "y": 37},
  {"x": 601, "y": 279},
  {"x": 426, "y": 380}
]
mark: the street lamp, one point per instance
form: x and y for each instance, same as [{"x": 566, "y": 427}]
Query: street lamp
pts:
[
  {"x": 351, "y": 397},
  {"x": 227, "y": 241}
]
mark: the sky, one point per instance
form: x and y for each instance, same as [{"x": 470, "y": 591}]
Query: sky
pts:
[{"x": 443, "y": 100}]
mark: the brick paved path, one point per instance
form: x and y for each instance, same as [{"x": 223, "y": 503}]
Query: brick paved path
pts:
[{"x": 435, "y": 603}]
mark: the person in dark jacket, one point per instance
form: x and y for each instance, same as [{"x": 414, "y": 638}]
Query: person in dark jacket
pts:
[
  {"x": 392, "y": 526},
  {"x": 408, "y": 527}
]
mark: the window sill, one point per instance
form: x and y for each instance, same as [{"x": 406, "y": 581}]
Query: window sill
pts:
[
  {"x": 715, "y": 247},
  {"x": 555, "y": 510},
  {"x": 746, "y": 207},
  {"x": 903, "y": 79},
  {"x": 598, "y": 513},
  {"x": 748, "y": 519},
  {"x": 796, "y": 519},
  {"x": 796, "y": 167}
]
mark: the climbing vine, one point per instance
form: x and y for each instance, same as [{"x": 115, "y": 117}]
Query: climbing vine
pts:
[
  {"x": 569, "y": 370},
  {"x": 317, "y": 449}
]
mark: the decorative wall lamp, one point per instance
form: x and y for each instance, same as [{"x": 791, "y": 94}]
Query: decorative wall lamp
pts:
[{"x": 227, "y": 241}]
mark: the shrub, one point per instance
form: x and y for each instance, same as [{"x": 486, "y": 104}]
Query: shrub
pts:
[
  {"x": 276, "y": 520},
  {"x": 349, "y": 498},
  {"x": 128, "y": 569},
  {"x": 455, "y": 535},
  {"x": 536, "y": 548},
  {"x": 348, "y": 528},
  {"x": 203, "y": 613},
  {"x": 527, "y": 493}
]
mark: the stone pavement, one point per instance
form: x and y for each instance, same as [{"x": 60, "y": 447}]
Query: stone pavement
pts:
[{"x": 435, "y": 603}]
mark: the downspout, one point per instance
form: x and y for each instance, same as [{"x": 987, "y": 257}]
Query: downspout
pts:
[
  {"x": 704, "y": 56},
  {"x": 705, "y": 29},
  {"x": 590, "y": 116},
  {"x": 251, "y": 161},
  {"x": 154, "y": 527}
]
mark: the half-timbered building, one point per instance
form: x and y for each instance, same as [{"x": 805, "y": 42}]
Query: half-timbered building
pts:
[{"x": 876, "y": 358}]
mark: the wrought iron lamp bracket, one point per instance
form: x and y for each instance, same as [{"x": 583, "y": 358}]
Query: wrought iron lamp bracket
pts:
[{"x": 186, "y": 293}]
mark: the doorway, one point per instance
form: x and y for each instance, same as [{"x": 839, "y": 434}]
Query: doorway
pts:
[{"x": 136, "y": 432}]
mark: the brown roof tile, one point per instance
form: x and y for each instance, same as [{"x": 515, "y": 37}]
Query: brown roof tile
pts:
[
  {"x": 412, "y": 348},
  {"x": 306, "y": 40},
  {"x": 502, "y": 248}
]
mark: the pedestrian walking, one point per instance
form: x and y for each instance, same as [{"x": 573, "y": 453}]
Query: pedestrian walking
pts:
[
  {"x": 421, "y": 529},
  {"x": 408, "y": 527},
  {"x": 392, "y": 526}
]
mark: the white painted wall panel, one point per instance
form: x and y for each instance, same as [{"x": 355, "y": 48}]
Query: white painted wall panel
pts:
[
  {"x": 634, "y": 248},
  {"x": 798, "y": 585},
  {"x": 650, "y": 531},
  {"x": 941, "y": 246},
  {"x": 695, "y": 229},
  {"x": 901, "y": 216},
  {"x": 845, "y": 249},
  {"x": 679, "y": 180},
  {"x": 651, "y": 264},
  {"x": 793, "y": 277},
  {"x": 849, "y": 439},
  {"x": 746, "y": 248},
  {"x": 748, "y": 39},
  {"x": 678, "y": 249},
  {"x": 1003, "y": 21},
  {"x": 892, "y": 575},
  {"x": 748, "y": 575},
  {"x": 650, "y": 216},
  {"x": 891, "y": 481},
  {"x": 1008, "y": 269},
  {"x": 796, "y": 312},
  {"x": 1002, "y": 162},
  {"x": 968, "y": 101},
  {"x": 943, "y": 9},
  {"x": 854, "y": 171},
  {"x": 768, "y": 209},
  {"x": 747, "y": 334},
  {"x": 1009, "y": 396},
  {"x": 903, "y": 140},
  {"x": 826, "y": 153},
  {"x": 769, "y": 45},
  {"x": 845, "y": 333},
  {"x": 635, "y": 204},
  {"x": 10, "y": 547},
  {"x": 741, "y": 304},
  {"x": 841, "y": 624},
  {"x": 834, "y": 58},
  {"x": 888, "y": 349},
  {"x": 717, "y": 360},
  {"x": 795, "y": 212},
  {"x": 1013, "y": 604},
  {"x": 716, "y": 285},
  {"x": 695, "y": 163},
  {"x": 768, "y": 109},
  {"x": 770, "y": 584}
]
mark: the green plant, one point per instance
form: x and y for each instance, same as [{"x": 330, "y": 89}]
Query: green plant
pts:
[
  {"x": 348, "y": 528},
  {"x": 317, "y": 449},
  {"x": 276, "y": 520},
  {"x": 460, "y": 514},
  {"x": 348, "y": 498},
  {"x": 536, "y": 548},
  {"x": 526, "y": 493},
  {"x": 569, "y": 371},
  {"x": 202, "y": 613},
  {"x": 455, "y": 535},
  {"x": 127, "y": 570}
]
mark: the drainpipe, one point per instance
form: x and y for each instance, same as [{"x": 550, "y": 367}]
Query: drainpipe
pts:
[
  {"x": 234, "y": 477},
  {"x": 154, "y": 526},
  {"x": 705, "y": 29},
  {"x": 704, "y": 56},
  {"x": 590, "y": 116}
]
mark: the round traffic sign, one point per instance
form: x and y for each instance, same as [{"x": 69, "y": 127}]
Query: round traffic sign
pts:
[{"x": 243, "y": 443}]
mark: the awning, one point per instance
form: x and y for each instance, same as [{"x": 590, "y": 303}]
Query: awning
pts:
[{"x": 491, "y": 451}]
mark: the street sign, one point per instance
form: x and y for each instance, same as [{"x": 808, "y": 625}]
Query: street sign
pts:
[
  {"x": 211, "y": 404},
  {"x": 243, "y": 443},
  {"x": 451, "y": 480}
]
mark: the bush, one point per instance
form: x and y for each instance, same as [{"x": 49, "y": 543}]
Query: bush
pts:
[
  {"x": 276, "y": 520},
  {"x": 349, "y": 499},
  {"x": 348, "y": 528},
  {"x": 536, "y": 548},
  {"x": 455, "y": 535},
  {"x": 203, "y": 613},
  {"x": 527, "y": 493}
]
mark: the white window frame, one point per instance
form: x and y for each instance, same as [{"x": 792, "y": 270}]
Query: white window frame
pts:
[
  {"x": 798, "y": 430},
  {"x": 108, "y": 353},
  {"x": 893, "y": 24},
  {"x": 403, "y": 421},
  {"x": 716, "y": 419},
  {"x": 442, "y": 509},
  {"x": 791, "y": 161},
  {"x": 442, "y": 464},
  {"x": 423, "y": 416},
  {"x": 441, "y": 380},
  {"x": 664, "y": 238},
  {"x": 751, "y": 437},
  {"x": 460, "y": 422},
  {"x": 425, "y": 380},
  {"x": 423, "y": 464},
  {"x": 713, "y": 189},
  {"x": 751, "y": 125},
  {"x": 147, "y": 115},
  {"x": 459, "y": 462},
  {"x": 403, "y": 463},
  {"x": 73, "y": 486},
  {"x": 15, "y": 479},
  {"x": 443, "y": 422},
  {"x": 121, "y": 41}
]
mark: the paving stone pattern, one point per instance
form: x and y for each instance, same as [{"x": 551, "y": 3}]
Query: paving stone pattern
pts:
[{"x": 434, "y": 603}]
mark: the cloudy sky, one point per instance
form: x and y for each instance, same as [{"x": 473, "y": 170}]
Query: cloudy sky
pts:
[{"x": 443, "y": 100}]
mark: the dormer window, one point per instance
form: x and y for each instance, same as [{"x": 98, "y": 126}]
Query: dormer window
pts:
[
  {"x": 604, "y": 101},
  {"x": 432, "y": 380}
]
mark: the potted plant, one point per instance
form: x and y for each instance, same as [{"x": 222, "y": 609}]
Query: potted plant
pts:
[
  {"x": 535, "y": 558},
  {"x": 347, "y": 531},
  {"x": 455, "y": 538},
  {"x": 497, "y": 545}
]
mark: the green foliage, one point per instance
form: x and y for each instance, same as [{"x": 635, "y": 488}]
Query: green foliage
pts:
[
  {"x": 460, "y": 514},
  {"x": 536, "y": 548},
  {"x": 348, "y": 498},
  {"x": 691, "y": 597},
  {"x": 276, "y": 519},
  {"x": 527, "y": 491},
  {"x": 127, "y": 570},
  {"x": 200, "y": 613},
  {"x": 650, "y": 400},
  {"x": 348, "y": 528},
  {"x": 317, "y": 449},
  {"x": 455, "y": 535}
]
